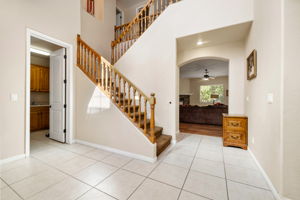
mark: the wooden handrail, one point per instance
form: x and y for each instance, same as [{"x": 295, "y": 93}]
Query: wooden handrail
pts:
[
  {"x": 121, "y": 26},
  {"x": 123, "y": 93},
  {"x": 125, "y": 35}
]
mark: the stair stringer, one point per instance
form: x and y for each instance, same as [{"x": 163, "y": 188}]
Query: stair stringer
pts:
[
  {"x": 151, "y": 62},
  {"x": 100, "y": 122}
]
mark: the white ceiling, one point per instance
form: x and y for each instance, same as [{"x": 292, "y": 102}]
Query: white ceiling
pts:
[
  {"x": 214, "y": 37},
  {"x": 44, "y": 45},
  {"x": 196, "y": 69},
  {"x": 128, "y": 3}
]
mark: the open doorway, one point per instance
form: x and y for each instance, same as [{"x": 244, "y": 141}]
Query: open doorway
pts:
[
  {"x": 119, "y": 17},
  {"x": 203, "y": 96},
  {"x": 48, "y": 91}
]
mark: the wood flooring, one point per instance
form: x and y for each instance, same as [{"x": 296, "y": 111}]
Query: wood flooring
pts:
[{"x": 201, "y": 129}]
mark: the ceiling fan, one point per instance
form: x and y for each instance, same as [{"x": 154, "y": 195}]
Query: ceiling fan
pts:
[{"x": 206, "y": 76}]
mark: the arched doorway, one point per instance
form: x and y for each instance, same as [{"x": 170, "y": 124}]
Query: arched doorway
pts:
[{"x": 203, "y": 95}]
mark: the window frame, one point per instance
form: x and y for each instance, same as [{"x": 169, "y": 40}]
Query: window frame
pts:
[{"x": 221, "y": 100}]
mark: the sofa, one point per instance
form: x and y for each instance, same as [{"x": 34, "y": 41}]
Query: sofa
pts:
[{"x": 211, "y": 115}]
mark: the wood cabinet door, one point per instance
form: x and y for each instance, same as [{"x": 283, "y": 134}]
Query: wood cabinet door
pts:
[
  {"x": 34, "y": 120},
  {"x": 44, "y": 79},
  {"x": 45, "y": 118},
  {"x": 34, "y": 78}
]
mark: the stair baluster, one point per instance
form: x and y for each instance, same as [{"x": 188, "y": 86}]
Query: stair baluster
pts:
[{"x": 123, "y": 93}]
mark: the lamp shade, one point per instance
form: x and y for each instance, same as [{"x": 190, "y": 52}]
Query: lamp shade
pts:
[{"x": 214, "y": 96}]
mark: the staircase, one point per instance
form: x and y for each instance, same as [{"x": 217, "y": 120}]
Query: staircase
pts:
[
  {"x": 127, "y": 34},
  {"x": 135, "y": 105}
]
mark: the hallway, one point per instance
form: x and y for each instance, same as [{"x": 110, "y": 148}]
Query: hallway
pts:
[
  {"x": 196, "y": 168},
  {"x": 201, "y": 129}
]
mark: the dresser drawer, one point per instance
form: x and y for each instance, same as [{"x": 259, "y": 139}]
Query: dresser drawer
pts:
[
  {"x": 235, "y": 137},
  {"x": 235, "y": 131},
  {"x": 235, "y": 124}
]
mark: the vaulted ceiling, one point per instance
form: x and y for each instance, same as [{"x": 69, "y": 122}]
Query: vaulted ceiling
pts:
[{"x": 196, "y": 69}]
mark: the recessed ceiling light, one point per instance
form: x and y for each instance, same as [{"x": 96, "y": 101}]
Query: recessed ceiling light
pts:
[
  {"x": 45, "y": 53},
  {"x": 200, "y": 42}
]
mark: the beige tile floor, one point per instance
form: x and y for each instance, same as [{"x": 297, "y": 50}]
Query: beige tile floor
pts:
[{"x": 196, "y": 168}]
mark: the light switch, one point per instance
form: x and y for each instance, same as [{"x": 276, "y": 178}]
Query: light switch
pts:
[
  {"x": 247, "y": 98},
  {"x": 13, "y": 97},
  {"x": 270, "y": 98}
]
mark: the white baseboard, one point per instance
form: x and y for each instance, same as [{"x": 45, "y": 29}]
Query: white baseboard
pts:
[
  {"x": 11, "y": 159},
  {"x": 271, "y": 186},
  {"x": 174, "y": 141},
  {"x": 118, "y": 151}
]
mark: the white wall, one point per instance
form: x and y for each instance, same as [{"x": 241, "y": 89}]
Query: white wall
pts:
[
  {"x": 234, "y": 53},
  {"x": 154, "y": 69},
  {"x": 39, "y": 60},
  {"x": 263, "y": 118},
  {"x": 47, "y": 17},
  {"x": 99, "y": 121},
  {"x": 130, "y": 11},
  {"x": 99, "y": 33},
  {"x": 184, "y": 86},
  {"x": 291, "y": 96},
  {"x": 195, "y": 89}
]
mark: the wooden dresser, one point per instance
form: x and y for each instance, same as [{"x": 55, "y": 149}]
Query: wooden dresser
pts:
[{"x": 235, "y": 131}]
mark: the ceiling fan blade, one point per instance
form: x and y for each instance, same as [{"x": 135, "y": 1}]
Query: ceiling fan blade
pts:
[{"x": 212, "y": 77}]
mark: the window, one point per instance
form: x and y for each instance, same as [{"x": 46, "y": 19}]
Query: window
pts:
[{"x": 211, "y": 93}]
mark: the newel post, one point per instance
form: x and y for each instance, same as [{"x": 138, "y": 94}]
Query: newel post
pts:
[{"x": 152, "y": 118}]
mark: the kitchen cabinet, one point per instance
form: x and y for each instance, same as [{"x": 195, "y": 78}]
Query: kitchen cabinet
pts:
[
  {"x": 39, "y": 81},
  {"x": 39, "y": 118}
]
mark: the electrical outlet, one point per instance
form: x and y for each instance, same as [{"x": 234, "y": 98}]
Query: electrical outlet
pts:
[{"x": 252, "y": 140}]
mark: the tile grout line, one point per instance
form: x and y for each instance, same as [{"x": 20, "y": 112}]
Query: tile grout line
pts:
[
  {"x": 189, "y": 169},
  {"x": 121, "y": 168},
  {"x": 12, "y": 189},
  {"x": 92, "y": 187},
  {"x": 69, "y": 175},
  {"x": 227, "y": 192},
  {"x": 146, "y": 177}
]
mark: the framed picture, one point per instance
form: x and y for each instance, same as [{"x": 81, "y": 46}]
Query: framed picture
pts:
[{"x": 252, "y": 65}]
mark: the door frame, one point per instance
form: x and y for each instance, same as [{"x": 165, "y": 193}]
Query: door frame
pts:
[
  {"x": 69, "y": 87},
  {"x": 122, "y": 12}
]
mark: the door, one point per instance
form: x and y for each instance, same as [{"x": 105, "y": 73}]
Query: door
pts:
[
  {"x": 118, "y": 18},
  {"x": 57, "y": 95}
]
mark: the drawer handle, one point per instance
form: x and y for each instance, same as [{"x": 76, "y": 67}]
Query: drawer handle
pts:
[
  {"x": 235, "y": 137},
  {"x": 234, "y": 124}
]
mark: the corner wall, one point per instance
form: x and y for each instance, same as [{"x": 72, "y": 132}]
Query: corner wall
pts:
[
  {"x": 291, "y": 96},
  {"x": 15, "y": 17},
  {"x": 263, "y": 118},
  {"x": 100, "y": 122},
  {"x": 99, "y": 33},
  {"x": 154, "y": 69}
]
